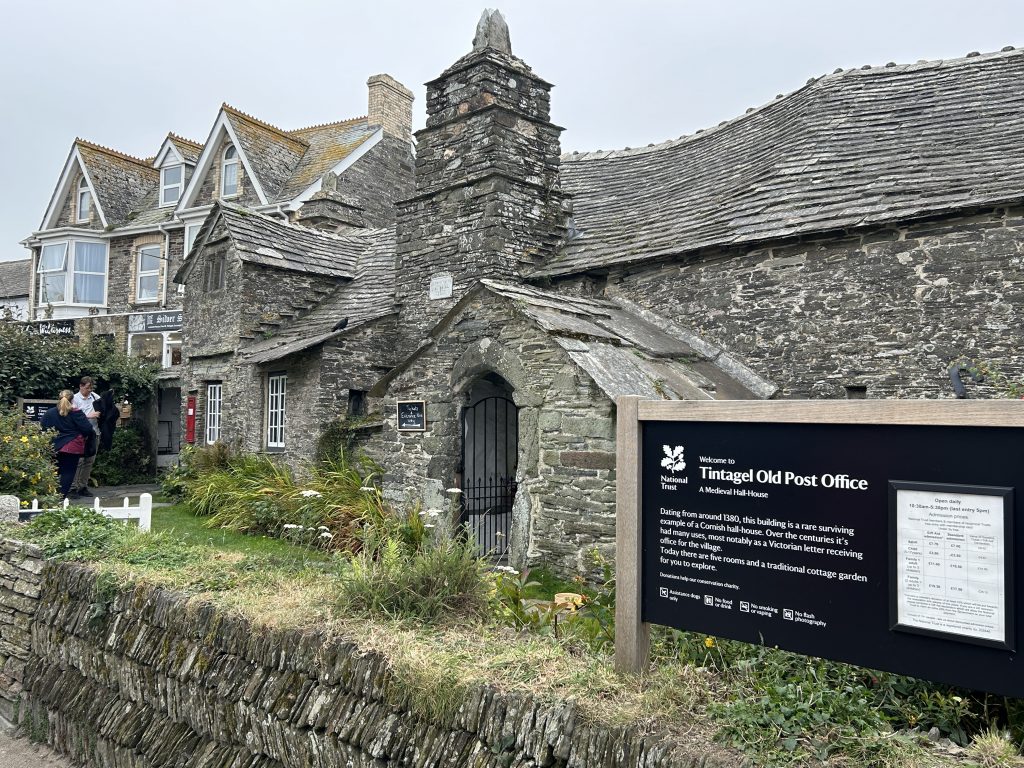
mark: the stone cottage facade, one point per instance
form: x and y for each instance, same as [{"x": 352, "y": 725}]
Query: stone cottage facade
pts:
[
  {"x": 118, "y": 228},
  {"x": 857, "y": 238}
]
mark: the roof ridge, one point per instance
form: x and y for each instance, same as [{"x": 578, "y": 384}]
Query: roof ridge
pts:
[
  {"x": 114, "y": 152},
  {"x": 835, "y": 74},
  {"x": 263, "y": 124},
  {"x": 173, "y": 135},
  {"x": 329, "y": 125}
]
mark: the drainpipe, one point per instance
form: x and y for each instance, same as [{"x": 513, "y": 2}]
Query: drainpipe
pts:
[{"x": 167, "y": 265}]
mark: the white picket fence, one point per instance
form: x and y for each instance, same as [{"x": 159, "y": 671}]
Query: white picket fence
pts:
[{"x": 143, "y": 513}]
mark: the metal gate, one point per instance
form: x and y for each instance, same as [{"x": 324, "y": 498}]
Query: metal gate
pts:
[{"x": 490, "y": 449}]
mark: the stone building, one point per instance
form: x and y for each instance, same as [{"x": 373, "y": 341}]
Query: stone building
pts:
[
  {"x": 14, "y": 280},
  {"x": 117, "y": 228},
  {"x": 860, "y": 237}
]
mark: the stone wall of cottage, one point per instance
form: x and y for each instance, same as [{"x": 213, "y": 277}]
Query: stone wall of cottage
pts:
[
  {"x": 487, "y": 201},
  {"x": 21, "y": 568},
  {"x": 887, "y": 310},
  {"x": 379, "y": 179},
  {"x": 68, "y": 216},
  {"x": 565, "y": 504},
  {"x": 145, "y": 678}
]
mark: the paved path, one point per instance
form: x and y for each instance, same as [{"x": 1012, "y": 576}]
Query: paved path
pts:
[{"x": 22, "y": 753}]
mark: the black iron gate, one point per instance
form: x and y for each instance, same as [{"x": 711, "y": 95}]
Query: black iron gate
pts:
[{"x": 490, "y": 448}]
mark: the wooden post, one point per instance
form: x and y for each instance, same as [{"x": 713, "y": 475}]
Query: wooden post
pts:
[
  {"x": 632, "y": 636},
  {"x": 145, "y": 511}
]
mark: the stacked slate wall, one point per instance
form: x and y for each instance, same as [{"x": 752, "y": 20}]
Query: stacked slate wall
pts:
[
  {"x": 21, "y": 567},
  {"x": 565, "y": 503},
  {"x": 887, "y": 310},
  {"x": 144, "y": 679}
]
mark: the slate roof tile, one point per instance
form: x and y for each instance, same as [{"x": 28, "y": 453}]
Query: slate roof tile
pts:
[
  {"x": 854, "y": 148},
  {"x": 14, "y": 278},
  {"x": 121, "y": 182}
]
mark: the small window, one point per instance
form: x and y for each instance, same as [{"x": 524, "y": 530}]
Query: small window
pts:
[
  {"x": 213, "y": 272},
  {"x": 191, "y": 231},
  {"x": 90, "y": 272},
  {"x": 229, "y": 172},
  {"x": 277, "y": 392},
  {"x": 84, "y": 206},
  {"x": 53, "y": 275},
  {"x": 214, "y": 394},
  {"x": 357, "y": 402},
  {"x": 170, "y": 184},
  {"x": 147, "y": 281}
]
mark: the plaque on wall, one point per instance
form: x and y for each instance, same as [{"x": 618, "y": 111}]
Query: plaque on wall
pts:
[
  {"x": 65, "y": 328},
  {"x": 950, "y": 558},
  {"x": 441, "y": 286},
  {"x": 412, "y": 416}
]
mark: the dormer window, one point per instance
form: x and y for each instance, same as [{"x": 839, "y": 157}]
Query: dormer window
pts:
[
  {"x": 84, "y": 207},
  {"x": 229, "y": 172},
  {"x": 170, "y": 184}
]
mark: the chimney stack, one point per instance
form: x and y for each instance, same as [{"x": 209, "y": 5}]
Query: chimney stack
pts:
[{"x": 390, "y": 106}]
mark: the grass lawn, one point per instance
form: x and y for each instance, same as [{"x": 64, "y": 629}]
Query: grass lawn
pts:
[{"x": 178, "y": 522}]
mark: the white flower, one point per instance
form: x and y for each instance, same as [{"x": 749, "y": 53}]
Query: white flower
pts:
[
  {"x": 428, "y": 525},
  {"x": 367, "y": 488},
  {"x": 453, "y": 490},
  {"x": 289, "y": 526},
  {"x": 506, "y": 569},
  {"x": 433, "y": 513},
  {"x": 326, "y": 535},
  {"x": 322, "y": 528},
  {"x": 307, "y": 494}
]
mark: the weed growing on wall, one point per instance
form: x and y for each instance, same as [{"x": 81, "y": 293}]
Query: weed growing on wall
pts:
[{"x": 26, "y": 459}]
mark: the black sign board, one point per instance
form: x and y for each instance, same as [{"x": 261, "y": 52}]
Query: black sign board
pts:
[
  {"x": 412, "y": 416},
  {"x": 53, "y": 328},
  {"x": 33, "y": 410},
  {"x": 888, "y": 546},
  {"x": 155, "y": 321}
]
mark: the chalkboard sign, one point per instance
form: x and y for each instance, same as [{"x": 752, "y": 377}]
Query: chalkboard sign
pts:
[
  {"x": 891, "y": 546},
  {"x": 33, "y": 410},
  {"x": 412, "y": 416}
]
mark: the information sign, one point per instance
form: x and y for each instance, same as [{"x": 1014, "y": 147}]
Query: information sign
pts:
[
  {"x": 412, "y": 416},
  {"x": 33, "y": 410},
  {"x": 887, "y": 545}
]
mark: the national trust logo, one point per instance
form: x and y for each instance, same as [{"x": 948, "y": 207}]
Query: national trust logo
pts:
[{"x": 674, "y": 460}]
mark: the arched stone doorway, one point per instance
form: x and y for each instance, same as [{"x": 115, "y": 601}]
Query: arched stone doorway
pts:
[{"x": 490, "y": 454}]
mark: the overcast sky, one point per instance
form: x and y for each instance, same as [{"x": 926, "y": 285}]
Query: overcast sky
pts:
[{"x": 123, "y": 73}]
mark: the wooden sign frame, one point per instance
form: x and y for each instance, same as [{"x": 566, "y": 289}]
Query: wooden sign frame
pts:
[{"x": 422, "y": 424}]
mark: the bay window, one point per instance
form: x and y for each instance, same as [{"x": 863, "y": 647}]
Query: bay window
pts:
[{"x": 81, "y": 279}]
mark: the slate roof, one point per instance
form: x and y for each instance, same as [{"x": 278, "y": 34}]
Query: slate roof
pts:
[
  {"x": 188, "y": 149},
  {"x": 14, "y": 278},
  {"x": 121, "y": 182},
  {"x": 854, "y": 148},
  {"x": 368, "y": 297},
  {"x": 287, "y": 162},
  {"x": 260, "y": 239},
  {"x": 625, "y": 349}
]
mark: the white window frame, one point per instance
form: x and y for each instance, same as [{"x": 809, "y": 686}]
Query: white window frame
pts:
[
  {"x": 277, "y": 413},
  {"x": 69, "y": 270},
  {"x": 191, "y": 233},
  {"x": 43, "y": 273},
  {"x": 165, "y": 186},
  {"x": 168, "y": 343},
  {"x": 140, "y": 273},
  {"x": 84, "y": 193},
  {"x": 224, "y": 163},
  {"x": 214, "y": 404}
]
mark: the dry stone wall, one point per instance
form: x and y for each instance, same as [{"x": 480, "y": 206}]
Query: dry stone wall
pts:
[
  {"x": 144, "y": 679},
  {"x": 21, "y": 566}
]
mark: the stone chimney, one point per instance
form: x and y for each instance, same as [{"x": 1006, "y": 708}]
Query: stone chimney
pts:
[{"x": 390, "y": 106}]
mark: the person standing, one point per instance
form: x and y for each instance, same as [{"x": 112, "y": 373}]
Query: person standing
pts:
[
  {"x": 73, "y": 429},
  {"x": 86, "y": 400}
]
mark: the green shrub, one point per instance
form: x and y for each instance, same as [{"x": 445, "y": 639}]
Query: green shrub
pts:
[
  {"x": 193, "y": 461},
  {"x": 128, "y": 460},
  {"x": 433, "y": 582},
  {"x": 257, "y": 494},
  {"x": 26, "y": 459},
  {"x": 41, "y": 366},
  {"x": 75, "y": 533}
]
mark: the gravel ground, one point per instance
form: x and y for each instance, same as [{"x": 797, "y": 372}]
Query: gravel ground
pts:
[{"x": 22, "y": 753}]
